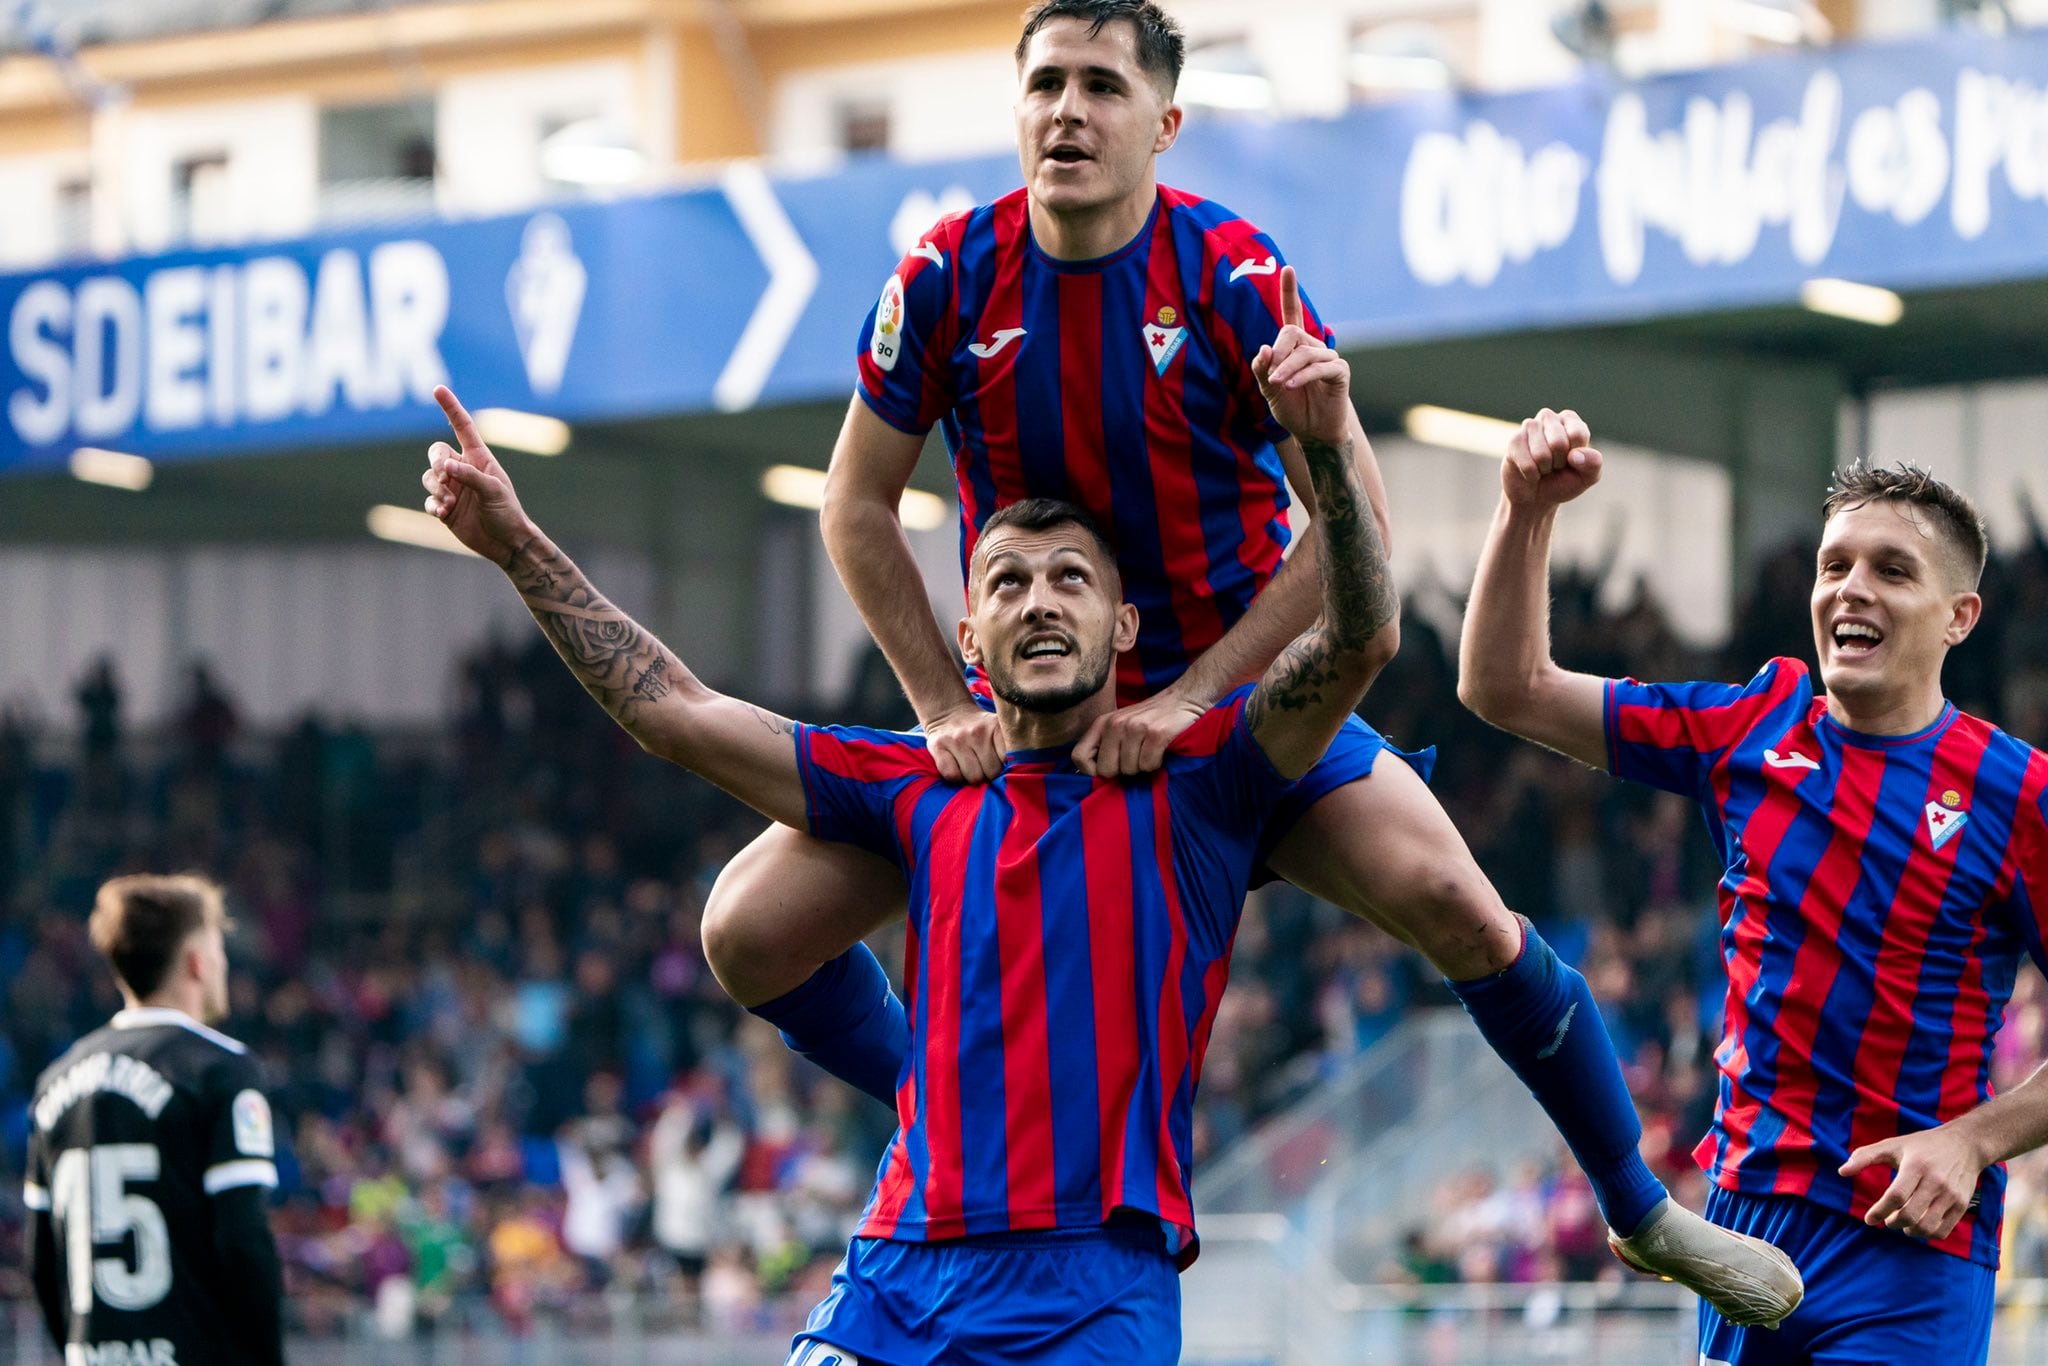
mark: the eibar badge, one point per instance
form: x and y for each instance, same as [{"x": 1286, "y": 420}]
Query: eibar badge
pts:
[
  {"x": 1163, "y": 339},
  {"x": 1944, "y": 818}
]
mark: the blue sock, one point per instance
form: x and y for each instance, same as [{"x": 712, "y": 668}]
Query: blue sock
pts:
[
  {"x": 1541, "y": 1018},
  {"x": 846, "y": 1019}
]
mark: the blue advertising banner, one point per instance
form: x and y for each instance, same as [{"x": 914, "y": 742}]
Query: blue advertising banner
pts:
[{"x": 1908, "y": 165}]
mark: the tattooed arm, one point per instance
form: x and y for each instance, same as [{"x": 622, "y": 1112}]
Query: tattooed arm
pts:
[
  {"x": 1307, "y": 693},
  {"x": 638, "y": 680},
  {"x": 1312, "y": 687}
]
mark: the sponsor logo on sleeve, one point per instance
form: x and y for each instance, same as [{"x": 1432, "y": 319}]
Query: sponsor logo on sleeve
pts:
[
  {"x": 885, "y": 347},
  {"x": 250, "y": 1114}
]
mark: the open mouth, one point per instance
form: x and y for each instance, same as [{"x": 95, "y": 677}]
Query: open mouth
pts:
[
  {"x": 1045, "y": 647},
  {"x": 1856, "y": 639},
  {"x": 1068, "y": 155}
]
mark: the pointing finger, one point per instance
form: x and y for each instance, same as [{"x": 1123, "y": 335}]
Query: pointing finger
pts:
[
  {"x": 1869, "y": 1154},
  {"x": 458, "y": 418},
  {"x": 1290, "y": 298}
]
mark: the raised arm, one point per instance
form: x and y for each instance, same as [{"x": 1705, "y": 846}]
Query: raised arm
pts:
[
  {"x": 1307, "y": 692},
  {"x": 1505, "y": 672},
  {"x": 638, "y": 680},
  {"x": 863, "y": 528},
  {"x": 1134, "y": 739}
]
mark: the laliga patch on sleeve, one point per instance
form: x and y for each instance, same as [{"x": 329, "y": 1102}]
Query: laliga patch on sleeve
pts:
[
  {"x": 885, "y": 346},
  {"x": 251, "y": 1116}
]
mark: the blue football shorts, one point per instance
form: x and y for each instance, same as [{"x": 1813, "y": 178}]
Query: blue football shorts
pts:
[
  {"x": 1107, "y": 1295},
  {"x": 1873, "y": 1297}
]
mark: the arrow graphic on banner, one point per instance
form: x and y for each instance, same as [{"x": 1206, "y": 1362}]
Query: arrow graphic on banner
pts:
[{"x": 792, "y": 278}]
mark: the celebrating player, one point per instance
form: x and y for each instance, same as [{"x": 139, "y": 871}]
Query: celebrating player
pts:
[
  {"x": 1887, "y": 864},
  {"x": 1069, "y": 933},
  {"x": 1090, "y": 338},
  {"x": 151, "y": 1157}
]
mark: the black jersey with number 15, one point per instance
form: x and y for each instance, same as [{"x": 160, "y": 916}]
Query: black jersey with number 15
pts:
[{"x": 141, "y": 1138}]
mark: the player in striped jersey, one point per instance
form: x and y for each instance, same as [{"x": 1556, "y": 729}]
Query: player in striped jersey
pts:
[
  {"x": 1070, "y": 933},
  {"x": 1887, "y": 867},
  {"x": 1090, "y": 337}
]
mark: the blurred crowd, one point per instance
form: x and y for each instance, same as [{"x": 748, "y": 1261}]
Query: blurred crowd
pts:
[{"x": 511, "y": 1088}]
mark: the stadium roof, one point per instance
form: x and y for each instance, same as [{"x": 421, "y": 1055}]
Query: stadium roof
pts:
[{"x": 34, "y": 26}]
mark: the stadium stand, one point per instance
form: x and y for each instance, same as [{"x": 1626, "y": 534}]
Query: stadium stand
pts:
[{"x": 471, "y": 966}]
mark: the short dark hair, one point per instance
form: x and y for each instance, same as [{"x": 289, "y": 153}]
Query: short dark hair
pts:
[
  {"x": 1161, "y": 48},
  {"x": 140, "y": 922},
  {"x": 1039, "y": 514},
  {"x": 1954, "y": 516}
]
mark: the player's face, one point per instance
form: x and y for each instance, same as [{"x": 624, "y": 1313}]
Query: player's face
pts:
[
  {"x": 1089, "y": 118},
  {"x": 1046, "y": 622},
  {"x": 1886, "y": 605},
  {"x": 212, "y": 948}
]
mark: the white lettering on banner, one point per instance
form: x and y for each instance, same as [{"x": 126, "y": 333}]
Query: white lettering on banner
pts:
[
  {"x": 1712, "y": 187},
  {"x": 173, "y": 300},
  {"x": 43, "y": 309},
  {"x": 1474, "y": 202},
  {"x": 273, "y": 322},
  {"x": 409, "y": 296},
  {"x": 1898, "y": 157},
  {"x": 108, "y": 376},
  {"x": 338, "y": 350},
  {"x": 1998, "y": 122},
  {"x": 1469, "y": 203},
  {"x": 254, "y": 341}
]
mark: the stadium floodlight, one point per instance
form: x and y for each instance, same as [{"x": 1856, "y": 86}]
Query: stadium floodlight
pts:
[
  {"x": 592, "y": 152},
  {"x": 1586, "y": 31},
  {"x": 1777, "y": 21},
  {"x": 115, "y": 469},
  {"x": 534, "y": 433},
  {"x": 1226, "y": 89},
  {"x": 1398, "y": 71},
  {"x": 1857, "y": 302},
  {"x": 410, "y": 526},
  {"x": 1224, "y": 75},
  {"x": 1447, "y": 427},
  {"x": 799, "y": 486},
  {"x": 1403, "y": 56}
]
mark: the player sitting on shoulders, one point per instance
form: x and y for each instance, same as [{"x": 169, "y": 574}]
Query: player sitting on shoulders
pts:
[
  {"x": 1887, "y": 866},
  {"x": 1091, "y": 336},
  {"x": 1070, "y": 933}
]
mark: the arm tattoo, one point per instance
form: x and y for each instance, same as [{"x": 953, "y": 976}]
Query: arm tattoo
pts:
[
  {"x": 777, "y": 725},
  {"x": 615, "y": 660},
  {"x": 1358, "y": 590}
]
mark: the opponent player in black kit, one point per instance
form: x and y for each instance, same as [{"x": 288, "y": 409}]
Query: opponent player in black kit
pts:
[{"x": 151, "y": 1156}]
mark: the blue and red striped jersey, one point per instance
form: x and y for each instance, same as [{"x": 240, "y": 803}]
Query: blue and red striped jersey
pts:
[
  {"x": 1069, "y": 941},
  {"x": 1878, "y": 895},
  {"x": 1121, "y": 384}
]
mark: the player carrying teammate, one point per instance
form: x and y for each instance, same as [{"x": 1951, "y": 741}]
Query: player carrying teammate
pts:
[
  {"x": 1090, "y": 338},
  {"x": 1069, "y": 934},
  {"x": 1887, "y": 865},
  {"x": 151, "y": 1158}
]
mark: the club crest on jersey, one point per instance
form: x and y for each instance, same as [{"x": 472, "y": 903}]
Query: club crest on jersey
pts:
[
  {"x": 1164, "y": 341},
  {"x": 887, "y": 342},
  {"x": 1945, "y": 818}
]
